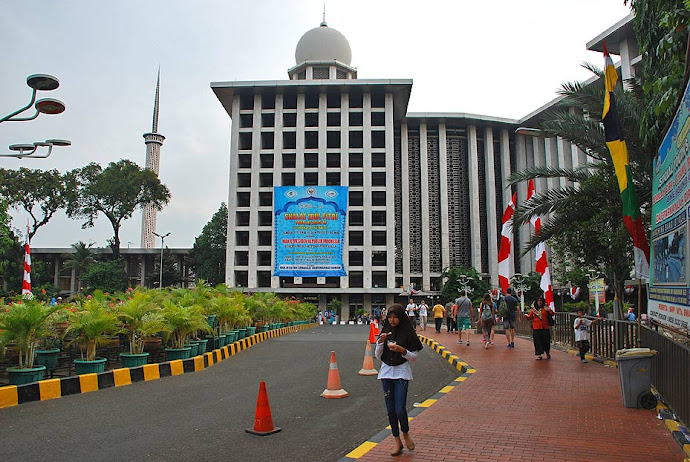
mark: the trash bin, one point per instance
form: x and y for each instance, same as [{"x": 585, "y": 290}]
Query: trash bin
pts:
[{"x": 634, "y": 366}]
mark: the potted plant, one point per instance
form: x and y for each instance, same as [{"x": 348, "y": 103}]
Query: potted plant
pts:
[
  {"x": 48, "y": 351},
  {"x": 142, "y": 319},
  {"x": 25, "y": 322},
  {"x": 182, "y": 321},
  {"x": 91, "y": 325}
]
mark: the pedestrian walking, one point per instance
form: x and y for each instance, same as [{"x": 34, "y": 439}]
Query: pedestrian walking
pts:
[
  {"x": 411, "y": 310},
  {"x": 581, "y": 326},
  {"x": 488, "y": 318},
  {"x": 541, "y": 334},
  {"x": 463, "y": 316},
  {"x": 396, "y": 347},
  {"x": 510, "y": 319},
  {"x": 439, "y": 313},
  {"x": 423, "y": 311},
  {"x": 451, "y": 325}
]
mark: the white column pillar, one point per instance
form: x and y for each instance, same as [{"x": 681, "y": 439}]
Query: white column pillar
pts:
[
  {"x": 443, "y": 190},
  {"x": 424, "y": 197},
  {"x": 344, "y": 178},
  {"x": 526, "y": 262},
  {"x": 539, "y": 152},
  {"x": 491, "y": 224},
  {"x": 405, "y": 191},
  {"x": 473, "y": 179},
  {"x": 390, "y": 194},
  {"x": 252, "y": 281},
  {"x": 551, "y": 160},
  {"x": 506, "y": 191},
  {"x": 277, "y": 169},
  {"x": 232, "y": 195},
  {"x": 366, "y": 135}
]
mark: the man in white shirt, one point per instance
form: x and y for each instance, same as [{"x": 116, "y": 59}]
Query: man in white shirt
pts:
[
  {"x": 423, "y": 314},
  {"x": 411, "y": 310}
]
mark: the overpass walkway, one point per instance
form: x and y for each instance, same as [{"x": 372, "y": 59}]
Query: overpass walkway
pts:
[{"x": 513, "y": 408}]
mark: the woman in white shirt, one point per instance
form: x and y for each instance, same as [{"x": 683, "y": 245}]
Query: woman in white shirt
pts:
[{"x": 397, "y": 345}]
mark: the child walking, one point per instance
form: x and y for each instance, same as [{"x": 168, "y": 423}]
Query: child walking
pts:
[{"x": 581, "y": 326}]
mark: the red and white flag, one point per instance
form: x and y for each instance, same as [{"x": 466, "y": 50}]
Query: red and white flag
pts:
[
  {"x": 26, "y": 284},
  {"x": 540, "y": 256},
  {"x": 574, "y": 292},
  {"x": 506, "y": 242}
]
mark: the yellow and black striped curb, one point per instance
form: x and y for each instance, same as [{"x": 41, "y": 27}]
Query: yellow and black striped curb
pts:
[
  {"x": 675, "y": 426},
  {"x": 465, "y": 372},
  {"x": 590, "y": 357},
  {"x": 43, "y": 390}
]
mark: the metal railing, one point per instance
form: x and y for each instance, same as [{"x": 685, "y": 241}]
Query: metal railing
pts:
[
  {"x": 606, "y": 336},
  {"x": 670, "y": 371}
]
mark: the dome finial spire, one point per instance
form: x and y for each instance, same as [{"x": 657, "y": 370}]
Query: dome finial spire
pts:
[{"x": 323, "y": 23}]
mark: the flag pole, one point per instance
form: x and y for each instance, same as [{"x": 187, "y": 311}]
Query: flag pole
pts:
[{"x": 639, "y": 312}]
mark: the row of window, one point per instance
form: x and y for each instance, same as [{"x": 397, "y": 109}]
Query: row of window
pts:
[
  {"x": 355, "y": 198},
  {"x": 311, "y": 101},
  {"x": 311, "y": 139},
  {"x": 355, "y": 280},
  {"x": 311, "y": 119},
  {"x": 311, "y": 160},
  {"x": 355, "y": 218},
  {"x": 244, "y": 180},
  {"x": 356, "y": 258}
]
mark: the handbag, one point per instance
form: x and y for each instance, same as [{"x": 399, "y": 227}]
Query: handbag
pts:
[{"x": 551, "y": 320}]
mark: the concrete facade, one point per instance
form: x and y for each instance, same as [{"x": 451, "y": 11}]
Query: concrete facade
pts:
[{"x": 426, "y": 190}]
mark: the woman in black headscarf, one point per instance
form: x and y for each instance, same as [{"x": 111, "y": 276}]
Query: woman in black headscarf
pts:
[{"x": 396, "y": 346}]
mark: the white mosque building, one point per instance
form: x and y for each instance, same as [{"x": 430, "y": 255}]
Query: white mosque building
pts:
[{"x": 426, "y": 190}]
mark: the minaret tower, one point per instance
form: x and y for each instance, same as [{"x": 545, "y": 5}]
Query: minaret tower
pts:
[{"x": 154, "y": 141}]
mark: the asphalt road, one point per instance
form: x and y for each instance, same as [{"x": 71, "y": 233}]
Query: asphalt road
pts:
[{"x": 203, "y": 416}]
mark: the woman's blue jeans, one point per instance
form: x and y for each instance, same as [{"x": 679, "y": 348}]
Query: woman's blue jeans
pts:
[{"x": 395, "y": 394}]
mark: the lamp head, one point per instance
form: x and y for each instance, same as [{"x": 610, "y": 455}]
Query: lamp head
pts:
[
  {"x": 42, "y": 82},
  {"x": 50, "y": 106}
]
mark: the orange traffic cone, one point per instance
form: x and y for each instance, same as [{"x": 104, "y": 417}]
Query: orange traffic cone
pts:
[
  {"x": 263, "y": 422},
  {"x": 368, "y": 365},
  {"x": 333, "y": 389},
  {"x": 373, "y": 333}
]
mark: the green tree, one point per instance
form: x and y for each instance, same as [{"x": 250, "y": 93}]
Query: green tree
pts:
[
  {"x": 661, "y": 29},
  {"x": 108, "y": 276},
  {"x": 11, "y": 256},
  {"x": 79, "y": 260},
  {"x": 116, "y": 192},
  {"x": 171, "y": 274},
  {"x": 584, "y": 218},
  {"x": 451, "y": 287},
  {"x": 39, "y": 193},
  {"x": 208, "y": 254}
]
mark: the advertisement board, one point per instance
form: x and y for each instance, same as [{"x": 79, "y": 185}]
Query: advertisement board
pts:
[
  {"x": 669, "y": 303},
  {"x": 309, "y": 230}
]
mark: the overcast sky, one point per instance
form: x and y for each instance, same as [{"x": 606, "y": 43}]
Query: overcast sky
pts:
[{"x": 502, "y": 58}]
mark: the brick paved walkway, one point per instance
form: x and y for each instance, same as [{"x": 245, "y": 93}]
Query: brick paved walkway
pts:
[{"x": 541, "y": 411}]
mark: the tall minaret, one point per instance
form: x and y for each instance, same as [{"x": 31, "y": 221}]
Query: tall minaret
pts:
[{"x": 153, "y": 141}]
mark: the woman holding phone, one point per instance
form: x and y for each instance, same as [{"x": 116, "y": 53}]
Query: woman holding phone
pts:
[{"x": 396, "y": 347}]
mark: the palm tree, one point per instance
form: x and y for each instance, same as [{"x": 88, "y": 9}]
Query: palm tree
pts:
[
  {"x": 79, "y": 260},
  {"x": 584, "y": 218}
]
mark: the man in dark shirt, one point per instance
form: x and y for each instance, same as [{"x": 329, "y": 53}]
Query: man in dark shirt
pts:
[{"x": 510, "y": 320}]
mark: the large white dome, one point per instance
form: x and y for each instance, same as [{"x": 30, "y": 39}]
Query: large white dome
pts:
[{"x": 323, "y": 44}]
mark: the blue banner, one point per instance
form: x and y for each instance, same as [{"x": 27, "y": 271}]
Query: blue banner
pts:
[{"x": 309, "y": 230}]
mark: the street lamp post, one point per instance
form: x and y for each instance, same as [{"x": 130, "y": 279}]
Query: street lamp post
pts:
[
  {"x": 37, "y": 82},
  {"x": 160, "y": 283},
  {"x": 465, "y": 281},
  {"x": 519, "y": 284}
]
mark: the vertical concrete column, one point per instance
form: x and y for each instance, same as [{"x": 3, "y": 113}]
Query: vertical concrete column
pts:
[
  {"x": 277, "y": 169},
  {"x": 366, "y": 174},
  {"x": 344, "y": 179},
  {"x": 443, "y": 190},
  {"x": 628, "y": 51},
  {"x": 56, "y": 271},
  {"x": 73, "y": 281},
  {"x": 473, "y": 172},
  {"x": 142, "y": 271},
  {"x": 539, "y": 150},
  {"x": 345, "y": 308},
  {"x": 525, "y": 231},
  {"x": 505, "y": 190},
  {"x": 299, "y": 142},
  {"x": 424, "y": 195},
  {"x": 390, "y": 193},
  {"x": 565, "y": 159},
  {"x": 323, "y": 103},
  {"x": 232, "y": 195},
  {"x": 254, "y": 194},
  {"x": 551, "y": 160},
  {"x": 405, "y": 192},
  {"x": 491, "y": 224}
]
